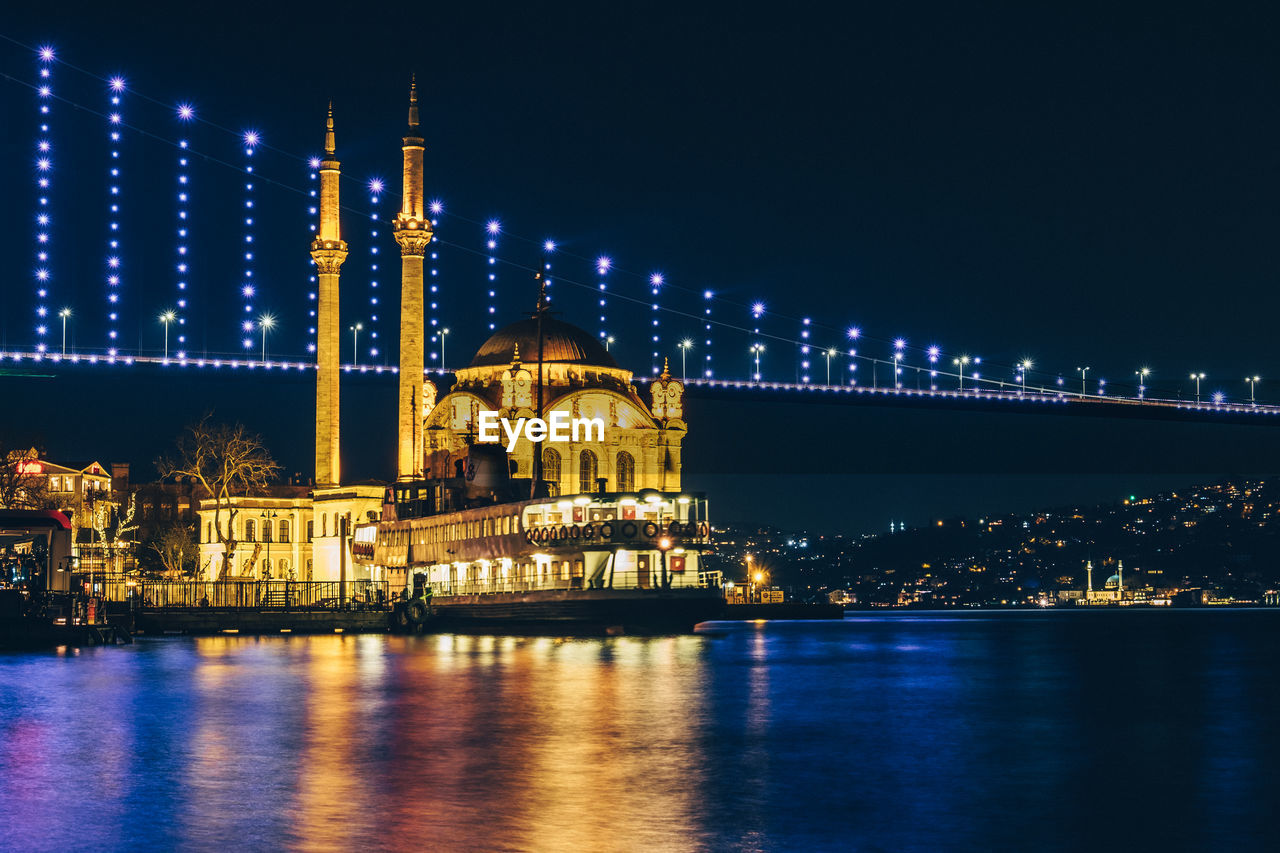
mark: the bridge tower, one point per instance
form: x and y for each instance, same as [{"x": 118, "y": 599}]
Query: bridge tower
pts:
[
  {"x": 413, "y": 232},
  {"x": 329, "y": 251}
]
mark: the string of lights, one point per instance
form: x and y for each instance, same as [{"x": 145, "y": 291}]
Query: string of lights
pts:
[
  {"x": 185, "y": 113},
  {"x": 44, "y": 219},
  {"x": 492, "y": 229},
  {"x": 436, "y": 208},
  {"x": 934, "y": 359},
  {"x": 708, "y": 371},
  {"x": 655, "y": 283},
  {"x": 313, "y": 213},
  {"x": 249, "y": 286},
  {"x": 376, "y": 188},
  {"x": 115, "y": 118},
  {"x": 804, "y": 351},
  {"x": 603, "y": 264}
]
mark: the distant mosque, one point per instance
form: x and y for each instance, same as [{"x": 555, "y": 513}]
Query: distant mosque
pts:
[{"x": 531, "y": 368}]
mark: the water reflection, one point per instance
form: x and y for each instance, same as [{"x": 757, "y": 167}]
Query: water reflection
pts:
[{"x": 899, "y": 733}]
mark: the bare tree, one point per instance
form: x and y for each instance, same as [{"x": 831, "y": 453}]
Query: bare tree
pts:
[
  {"x": 23, "y": 484},
  {"x": 225, "y": 461},
  {"x": 176, "y": 548}
]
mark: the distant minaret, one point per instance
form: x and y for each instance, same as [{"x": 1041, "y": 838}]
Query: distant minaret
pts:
[
  {"x": 1120, "y": 581},
  {"x": 1088, "y": 567},
  {"x": 329, "y": 251},
  {"x": 412, "y": 230}
]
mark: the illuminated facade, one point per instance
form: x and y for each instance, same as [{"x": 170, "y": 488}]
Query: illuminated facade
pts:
[{"x": 642, "y": 442}]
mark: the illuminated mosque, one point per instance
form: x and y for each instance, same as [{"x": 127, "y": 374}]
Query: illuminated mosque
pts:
[{"x": 531, "y": 368}]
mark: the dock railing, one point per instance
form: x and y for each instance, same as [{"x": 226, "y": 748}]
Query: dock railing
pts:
[{"x": 264, "y": 595}]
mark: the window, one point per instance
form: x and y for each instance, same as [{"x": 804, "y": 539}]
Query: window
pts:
[
  {"x": 266, "y": 529},
  {"x": 586, "y": 471},
  {"x": 208, "y": 531},
  {"x": 626, "y": 475},
  {"x": 311, "y": 529},
  {"x": 551, "y": 470},
  {"x": 250, "y": 528},
  {"x": 324, "y": 524}
]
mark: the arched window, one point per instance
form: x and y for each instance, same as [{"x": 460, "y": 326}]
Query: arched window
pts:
[
  {"x": 311, "y": 529},
  {"x": 208, "y": 531},
  {"x": 324, "y": 524},
  {"x": 284, "y": 530},
  {"x": 249, "y": 530},
  {"x": 586, "y": 471},
  {"x": 551, "y": 470},
  {"x": 626, "y": 471}
]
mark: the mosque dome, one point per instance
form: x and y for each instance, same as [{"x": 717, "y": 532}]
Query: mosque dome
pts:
[
  {"x": 561, "y": 343},
  {"x": 1113, "y": 582}
]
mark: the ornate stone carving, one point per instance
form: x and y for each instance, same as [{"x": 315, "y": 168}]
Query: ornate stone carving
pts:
[
  {"x": 328, "y": 255},
  {"x": 413, "y": 235}
]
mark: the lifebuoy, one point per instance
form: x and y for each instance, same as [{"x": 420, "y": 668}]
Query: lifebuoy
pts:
[
  {"x": 541, "y": 534},
  {"x": 703, "y": 529},
  {"x": 564, "y": 532},
  {"x": 588, "y": 531},
  {"x": 575, "y": 532},
  {"x": 650, "y": 529},
  {"x": 675, "y": 528},
  {"x": 606, "y": 531},
  {"x": 416, "y": 610},
  {"x": 628, "y": 530}
]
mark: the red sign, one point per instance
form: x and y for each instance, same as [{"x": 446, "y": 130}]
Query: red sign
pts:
[
  {"x": 629, "y": 512},
  {"x": 676, "y": 564}
]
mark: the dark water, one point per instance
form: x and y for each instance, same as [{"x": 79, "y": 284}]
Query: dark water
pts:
[{"x": 1008, "y": 731}]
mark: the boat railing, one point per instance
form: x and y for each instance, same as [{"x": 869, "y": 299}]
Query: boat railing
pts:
[{"x": 632, "y": 579}]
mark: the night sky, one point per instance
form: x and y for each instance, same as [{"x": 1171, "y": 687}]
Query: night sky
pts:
[{"x": 1080, "y": 186}]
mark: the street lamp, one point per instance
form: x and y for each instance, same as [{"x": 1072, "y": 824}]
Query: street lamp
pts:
[
  {"x": 1142, "y": 375},
  {"x": 757, "y": 349},
  {"x": 684, "y": 349},
  {"x": 608, "y": 341},
  {"x": 664, "y": 545},
  {"x": 898, "y": 346},
  {"x": 166, "y": 318},
  {"x": 830, "y": 352},
  {"x": 268, "y": 517},
  {"x": 443, "y": 332},
  {"x": 265, "y": 322},
  {"x": 355, "y": 342},
  {"x": 64, "y": 314},
  {"x": 1197, "y": 377},
  {"x": 1026, "y": 368},
  {"x": 961, "y": 363},
  {"x": 1252, "y": 380},
  {"x": 1084, "y": 374}
]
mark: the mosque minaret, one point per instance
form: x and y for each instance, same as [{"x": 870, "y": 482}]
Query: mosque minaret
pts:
[
  {"x": 329, "y": 251},
  {"x": 413, "y": 232}
]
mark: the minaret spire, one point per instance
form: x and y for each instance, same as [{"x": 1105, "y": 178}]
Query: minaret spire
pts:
[
  {"x": 329, "y": 146},
  {"x": 413, "y": 105}
]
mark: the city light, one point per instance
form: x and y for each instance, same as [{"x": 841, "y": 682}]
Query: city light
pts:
[
  {"x": 684, "y": 349},
  {"x": 265, "y": 323},
  {"x": 313, "y": 223}
]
